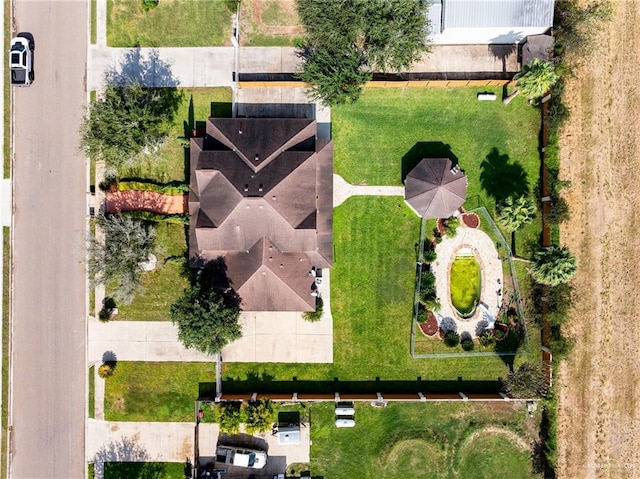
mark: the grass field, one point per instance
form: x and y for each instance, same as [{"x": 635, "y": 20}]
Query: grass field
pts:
[
  {"x": 164, "y": 391},
  {"x": 163, "y": 286},
  {"x": 171, "y": 162},
  {"x": 411, "y": 441},
  {"x": 176, "y": 23},
  {"x": 380, "y": 138},
  {"x": 372, "y": 286}
]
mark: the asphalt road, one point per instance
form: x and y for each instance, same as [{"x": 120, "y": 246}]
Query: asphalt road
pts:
[{"x": 48, "y": 311}]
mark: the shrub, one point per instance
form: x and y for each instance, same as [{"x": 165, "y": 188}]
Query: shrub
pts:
[
  {"x": 499, "y": 334},
  {"x": 466, "y": 342},
  {"x": 559, "y": 211},
  {"x": 447, "y": 325},
  {"x": 487, "y": 338},
  {"x": 423, "y": 315},
  {"x": 451, "y": 339},
  {"x": 432, "y": 304},
  {"x": 450, "y": 226},
  {"x": 149, "y": 4},
  {"x": 106, "y": 370},
  {"x": 429, "y": 255},
  {"x": 259, "y": 416},
  {"x": 313, "y": 316},
  {"x": 228, "y": 416}
]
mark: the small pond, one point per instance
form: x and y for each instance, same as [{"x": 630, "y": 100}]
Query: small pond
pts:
[{"x": 465, "y": 282}]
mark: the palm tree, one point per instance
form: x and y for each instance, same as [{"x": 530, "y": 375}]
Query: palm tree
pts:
[
  {"x": 534, "y": 81},
  {"x": 553, "y": 266},
  {"x": 513, "y": 214}
]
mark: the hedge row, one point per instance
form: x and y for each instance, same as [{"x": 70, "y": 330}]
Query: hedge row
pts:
[{"x": 173, "y": 188}]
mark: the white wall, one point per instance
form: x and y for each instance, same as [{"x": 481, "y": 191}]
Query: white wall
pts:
[{"x": 484, "y": 36}]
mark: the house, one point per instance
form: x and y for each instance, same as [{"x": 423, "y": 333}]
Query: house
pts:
[
  {"x": 260, "y": 198},
  {"x": 488, "y": 21}
]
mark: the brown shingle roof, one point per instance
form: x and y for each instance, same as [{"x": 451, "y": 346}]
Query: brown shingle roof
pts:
[
  {"x": 262, "y": 188},
  {"x": 434, "y": 190}
]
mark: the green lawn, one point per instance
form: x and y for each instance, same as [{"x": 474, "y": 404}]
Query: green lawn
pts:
[
  {"x": 92, "y": 392},
  {"x": 162, "y": 287},
  {"x": 197, "y": 105},
  {"x": 411, "y": 441},
  {"x": 175, "y": 23},
  {"x": 383, "y": 135},
  {"x": 465, "y": 284},
  {"x": 140, "y": 391},
  {"x": 372, "y": 286},
  {"x": 144, "y": 470}
]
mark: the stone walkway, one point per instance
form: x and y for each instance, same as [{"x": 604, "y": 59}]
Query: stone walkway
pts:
[
  {"x": 343, "y": 190},
  {"x": 492, "y": 277}
]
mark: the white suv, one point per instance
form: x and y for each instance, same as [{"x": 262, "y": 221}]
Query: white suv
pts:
[{"x": 21, "y": 59}]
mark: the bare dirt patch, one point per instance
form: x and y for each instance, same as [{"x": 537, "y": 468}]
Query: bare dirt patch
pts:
[
  {"x": 268, "y": 22},
  {"x": 598, "y": 383}
]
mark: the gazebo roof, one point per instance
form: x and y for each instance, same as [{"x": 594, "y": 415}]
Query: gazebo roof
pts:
[{"x": 435, "y": 189}]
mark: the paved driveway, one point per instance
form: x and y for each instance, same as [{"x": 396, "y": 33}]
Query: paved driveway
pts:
[{"x": 48, "y": 370}]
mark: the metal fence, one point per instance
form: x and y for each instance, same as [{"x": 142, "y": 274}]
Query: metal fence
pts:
[{"x": 487, "y": 225}]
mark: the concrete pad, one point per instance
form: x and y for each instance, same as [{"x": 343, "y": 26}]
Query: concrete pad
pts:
[
  {"x": 268, "y": 60},
  {"x": 278, "y": 348},
  {"x": 285, "y": 320},
  {"x": 316, "y": 348},
  {"x": 146, "y": 441}
]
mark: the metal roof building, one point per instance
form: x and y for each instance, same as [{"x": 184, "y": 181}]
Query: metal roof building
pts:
[{"x": 488, "y": 21}]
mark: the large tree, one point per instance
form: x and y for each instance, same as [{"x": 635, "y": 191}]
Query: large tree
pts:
[
  {"x": 125, "y": 120},
  {"x": 116, "y": 258},
  {"x": 345, "y": 40},
  {"x": 514, "y": 213},
  {"x": 553, "y": 266},
  {"x": 207, "y": 319}
]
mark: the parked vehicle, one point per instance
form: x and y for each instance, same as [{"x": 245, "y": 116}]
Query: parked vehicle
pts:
[
  {"x": 21, "y": 59},
  {"x": 242, "y": 457}
]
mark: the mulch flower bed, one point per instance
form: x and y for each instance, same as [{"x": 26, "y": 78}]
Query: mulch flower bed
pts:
[
  {"x": 430, "y": 326},
  {"x": 471, "y": 220}
]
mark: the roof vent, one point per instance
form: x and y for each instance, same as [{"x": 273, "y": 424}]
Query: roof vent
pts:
[
  {"x": 257, "y": 158},
  {"x": 246, "y": 187}
]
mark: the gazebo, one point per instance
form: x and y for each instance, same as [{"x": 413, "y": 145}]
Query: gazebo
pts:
[{"x": 435, "y": 188}]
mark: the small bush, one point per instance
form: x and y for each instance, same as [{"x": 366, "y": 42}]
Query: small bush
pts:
[
  {"x": 559, "y": 212},
  {"x": 432, "y": 304},
  {"x": 487, "y": 339},
  {"x": 149, "y": 4},
  {"x": 467, "y": 344},
  {"x": 448, "y": 325},
  {"x": 499, "y": 334},
  {"x": 259, "y": 416},
  {"x": 106, "y": 370},
  {"x": 182, "y": 219},
  {"x": 429, "y": 256},
  {"x": 451, "y": 339},
  {"x": 229, "y": 416},
  {"x": 423, "y": 315},
  {"x": 313, "y": 316},
  {"x": 451, "y": 226}
]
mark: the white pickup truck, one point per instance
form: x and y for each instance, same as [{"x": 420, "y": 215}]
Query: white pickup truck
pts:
[
  {"x": 242, "y": 457},
  {"x": 21, "y": 59}
]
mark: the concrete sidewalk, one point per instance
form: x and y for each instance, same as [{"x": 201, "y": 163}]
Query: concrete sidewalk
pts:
[{"x": 343, "y": 190}]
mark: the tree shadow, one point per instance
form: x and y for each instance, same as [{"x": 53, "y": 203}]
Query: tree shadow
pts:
[
  {"x": 144, "y": 67},
  {"x": 123, "y": 450},
  {"x": 425, "y": 149},
  {"x": 501, "y": 178}
]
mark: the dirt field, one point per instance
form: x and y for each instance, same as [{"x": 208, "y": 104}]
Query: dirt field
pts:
[{"x": 599, "y": 411}]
